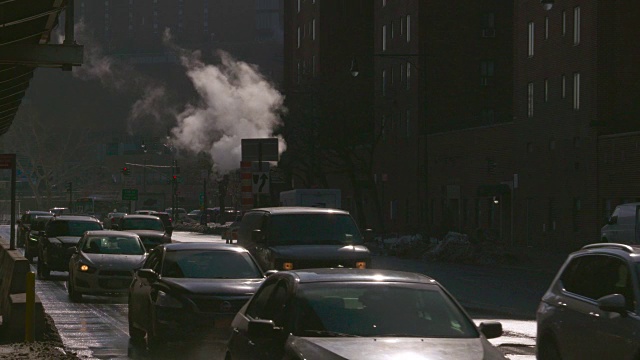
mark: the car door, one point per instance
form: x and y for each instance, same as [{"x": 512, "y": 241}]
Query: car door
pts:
[
  {"x": 241, "y": 345},
  {"x": 140, "y": 291}
]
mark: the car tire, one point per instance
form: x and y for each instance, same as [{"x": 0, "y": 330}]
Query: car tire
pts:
[
  {"x": 548, "y": 350},
  {"x": 74, "y": 295},
  {"x": 43, "y": 271}
]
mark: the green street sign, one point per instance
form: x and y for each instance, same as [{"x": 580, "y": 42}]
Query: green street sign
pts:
[{"x": 129, "y": 194}]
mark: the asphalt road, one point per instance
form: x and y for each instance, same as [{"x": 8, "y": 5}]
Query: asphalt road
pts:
[{"x": 98, "y": 327}]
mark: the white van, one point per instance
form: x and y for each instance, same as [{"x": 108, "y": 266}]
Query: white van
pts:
[{"x": 624, "y": 225}]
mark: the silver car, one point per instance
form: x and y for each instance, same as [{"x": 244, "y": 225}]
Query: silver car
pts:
[{"x": 103, "y": 263}]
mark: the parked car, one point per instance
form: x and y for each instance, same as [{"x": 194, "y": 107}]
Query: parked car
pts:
[
  {"x": 231, "y": 233},
  {"x": 143, "y": 212},
  {"x": 285, "y": 238},
  {"x": 113, "y": 218},
  {"x": 61, "y": 233},
  {"x": 24, "y": 225},
  {"x": 60, "y": 210},
  {"x": 184, "y": 289},
  {"x": 149, "y": 227},
  {"x": 194, "y": 214},
  {"x": 180, "y": 214},
  {"x": 357, "y": 314},
  {"x": 591, "y": 308},
  {"x": 38, "y": 223},
  {"x": 103, "y": 263},
  {"x": 624, "y": 225}
]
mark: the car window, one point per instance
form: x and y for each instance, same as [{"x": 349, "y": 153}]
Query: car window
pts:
[
  {"x": 71, "y": 227},
  {"x": 142, "y": 224},
  {"x": 595, "y": 276},
  {"x": 380, "y": 309},
  {"x": 260, "y": 299},
  {"x": 210, "y": 264},
  {"x": 153, "y": 261},
  {"x": 312, "y": 229},
  {"x": 114, "y": 245}
]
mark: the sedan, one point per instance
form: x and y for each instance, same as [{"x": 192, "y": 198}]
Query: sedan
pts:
[
  {"x": 357, "y": 314},
  {"x": 186, "y": 289},
  {"x": 103, "y": 263},
  {"x": 149, "y": 227}
]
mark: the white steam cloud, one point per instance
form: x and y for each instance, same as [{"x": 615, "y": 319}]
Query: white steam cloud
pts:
[{"x": 237, "y": 103}]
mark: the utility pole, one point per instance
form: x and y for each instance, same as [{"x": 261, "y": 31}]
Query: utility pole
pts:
[
  {"x": 203, "y": 217},
  {"x": 174, "y": 192}
]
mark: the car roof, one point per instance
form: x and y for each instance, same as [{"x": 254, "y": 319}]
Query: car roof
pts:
[
  {"x": 202, "y": 246},
  {"x": 110, "y": 233},
  {"x": 299, "y": 210},
  {"x": 357, "y": 275},
  {"x": 139, "y": 216},
  {"x": 74, "y": 218},
  {"x": 631, "y": 252},
  {"x": 630, "y": 204},
  {"x": 38, "y": 212}
]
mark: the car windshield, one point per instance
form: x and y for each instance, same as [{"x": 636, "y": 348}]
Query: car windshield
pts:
[
  {"x": 71, "y": 227},
  {"x": 210, "y": 264},
  {"x": 378, "y": 309},
  {"x": 142, "y": 224},
  {"x": 120, "y": 245},
  {"x": 39, "y": 222},
  {"x": 313, "y": 229}
]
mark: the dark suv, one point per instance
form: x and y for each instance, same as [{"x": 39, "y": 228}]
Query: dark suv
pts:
[
  {"x": 150, "y": 228},
  {"x": 591, "y": 310},
  {"x": 24, "y": 224},
  {"x": 61, "y": 233}
]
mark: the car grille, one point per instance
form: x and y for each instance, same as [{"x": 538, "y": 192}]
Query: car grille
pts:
[
  {"x": 123, "y": 273},
  {"x": 112, "y": 284},
  {"x": 219, "y": 304}
]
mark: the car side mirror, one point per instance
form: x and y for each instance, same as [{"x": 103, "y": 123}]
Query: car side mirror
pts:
[
  {"x": 490, "y": 329},
  {"x": 613, "y": 303},
  {"x": 257, "y": 237},
  {"x": 259, "y": 328},
  {"x": 148, "y": 274}
]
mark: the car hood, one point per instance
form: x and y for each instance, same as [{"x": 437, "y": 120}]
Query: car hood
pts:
[
  {"x": 113, "y": 261},
  {"x": 69, "y": 240},
  {"x": 320, "y": 252},
  {"x": 370, "y": 348},
  {"x": 217, "y": 286},
  {"x": 146, "y": 233}
]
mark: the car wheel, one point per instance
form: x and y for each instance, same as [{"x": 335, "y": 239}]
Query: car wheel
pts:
[
  {"x": 548, "y": 350},
  {"x": 74, "y": 295}
]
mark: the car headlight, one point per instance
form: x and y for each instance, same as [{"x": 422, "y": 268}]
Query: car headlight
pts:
[
  {"x": 287, "y": 265},
  {"x": 361, "y": 265},
  {"x": 166, "y": 300}
]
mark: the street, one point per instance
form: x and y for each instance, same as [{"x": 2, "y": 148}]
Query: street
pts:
[{"x": 98, "y": 327}]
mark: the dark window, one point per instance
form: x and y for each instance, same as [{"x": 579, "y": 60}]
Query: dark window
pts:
[
  {"x": 209, "y": 264},
  {"x": 153, "y": 261},
  {"x": 259, "y": 302},
  {"x": 308, "y": 229},
  {"x": 71, "y": 228}
]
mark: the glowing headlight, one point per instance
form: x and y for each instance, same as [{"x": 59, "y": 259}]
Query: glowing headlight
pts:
[
  {"x": 361, "y": 265},
  {"x": 84, "y": 267},
  {"x": 166, "y": 300},
  {"x": 287, "y": 266}
]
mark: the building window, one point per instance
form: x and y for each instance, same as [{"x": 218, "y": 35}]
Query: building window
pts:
[
  {"x": 576, "y": 25},
  {"x": 384, "y": 3},
  {"x": 384, "y": 37},
  {"x": 552, "y": 144},
  {"x": 564, "y": 23},
  {"x": 313, "y": 28},
  {"x": 487, "y": 116},
  {"x": 563, "y": 86},
  {"x": 392, "y": 26},
  {"x": 407, "y": 121},
  {"x": 408, "y": 76},
  {"x": 299, "y": 37},
  {"x": 576, "y": 142},
  {"x": 299, "y": 1},
  {"x": 546, "y": 27},
  {"x": 546, "y": 90},
  {"x": 486, "y": 72},
  {"x": 402, "y": 25},
  {"x": 384, "y": 82},
  {"x": 531, "y": 38},
  {"x": 530, "y": 100},
  {"x": 529, "y": 147},
  {"x": 408, "y": 28},
  {"x": 383, "y": 124},
  {"x": 576, "y": 91},
  {"x": 402, "y": 73},
  {"x": 313, "y": 65}
]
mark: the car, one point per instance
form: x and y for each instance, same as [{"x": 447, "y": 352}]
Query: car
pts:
[
  {"x": 623, "y": 226},
  {"x": 180, "y": 214},
  {"x": 113, "y": 218},
  {"x": 166, "y": 220},
  {"x": 185, "y": 289},
  {"x": 286, "y": 238},
  {"x": 231, "y": 233},
  {"x": 60, "y": 210},
  {"x": 38, "y": 223},
  {"x": 103, "y": 263},
  {"x": 591, "y": 309},
  {"x": 60, "y": 234},
  {"x": 143, "y": 212},
  {"x": 194, "y": 214},
  {"x": 24, "y": 225},
  {"x": 149, "y": 227},
  {"x": 357, "y": 314}
]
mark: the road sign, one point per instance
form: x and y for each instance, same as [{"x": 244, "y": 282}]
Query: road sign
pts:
[
  {"x": 130, "y": 194},
  {"x": 7, "y": 160},
  {"x": 265, "y": 149},
  {"x": 260, "y": 182}
]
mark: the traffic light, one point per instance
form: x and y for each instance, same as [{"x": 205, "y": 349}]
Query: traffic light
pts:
[
  {"x": 174, "y": 179},
  {"x": 126, "y": 171}
]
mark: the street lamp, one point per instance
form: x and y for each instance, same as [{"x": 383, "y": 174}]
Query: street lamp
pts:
[{"x": 547, "y": 4}]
